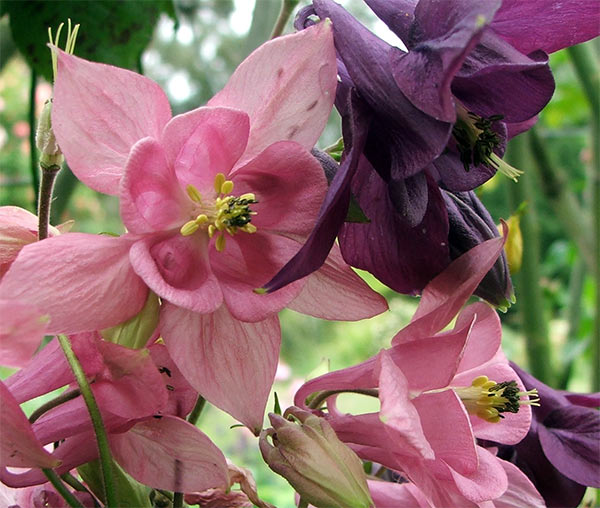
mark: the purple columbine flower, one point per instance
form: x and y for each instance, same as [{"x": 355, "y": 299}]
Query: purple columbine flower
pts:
[
  {"x": 475, "y": 74},
  {"x": 561, "y": 452}
]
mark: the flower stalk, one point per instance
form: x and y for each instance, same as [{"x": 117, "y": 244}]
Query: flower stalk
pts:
[
  {"x": 61, "y": 488},
  {"x": 287, "y": 6},
  {"x": 99, "y": 430}
]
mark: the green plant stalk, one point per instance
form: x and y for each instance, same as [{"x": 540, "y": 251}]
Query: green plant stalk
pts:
[
  {"x": 530, "y": 301},
  {"x": 96, "y": 417},
  {"x": 57, "y": 401},
  {"x": 65, "y": 186},
  {"x": 554, "y": 185},
  {"x": 61, "y": 488},
  {"x": 587, "y": 73},
  {"x": 321, "y": 397},
  {"x": 287, "y": 7},
  {"x": 35, "y": 179},
  {"x": 198, "y": 408},
  {"x": 177, "y": 499}
]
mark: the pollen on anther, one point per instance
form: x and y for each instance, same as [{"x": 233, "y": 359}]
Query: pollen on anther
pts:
[
  {"x": 220, "y": 243},
  {"x": 219, "y": 181},
  {"x": 193, "y": 193},
  {"x": 226, "y": 187}
]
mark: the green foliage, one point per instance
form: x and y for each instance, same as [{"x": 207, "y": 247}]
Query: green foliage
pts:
[{"x": 111, "y": 32}]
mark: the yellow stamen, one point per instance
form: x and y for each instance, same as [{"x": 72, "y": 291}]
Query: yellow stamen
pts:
[
  {"x": 211, "y": 230},
  {"x": 220, "y": 243},
  {"x": 219, "y": 181},
  {"x": 249, "y": 196},
  {"x": 226, "y": 187},
  {"x": 249, "y": 228},
  {"x": 189, "y": 228},
  {"x": 193, "y": 193}
]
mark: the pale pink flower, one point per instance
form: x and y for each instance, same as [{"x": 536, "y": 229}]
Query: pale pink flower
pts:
[
  {"x": 216, "y": 201},
  {"x": 432, "y": 393}
]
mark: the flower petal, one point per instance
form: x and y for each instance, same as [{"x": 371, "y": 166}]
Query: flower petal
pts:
[
  {"x": 84, "y": 282},
  {"x": 98, "y": 114},
  {"x": 151, "y": 197},
  {"x": 203, "y": 142},
  {"x": 546, "y": 24},
  {"x": 232, "y": 364},
  {"x": 293, "y": 79},
  {"x": 520, "y": 492},
  {"x": 446, "y": 294},
  {"x": 335, "y": 291},
  {"x": 289, "y": 186},
  {"x": 176, "y": 268},
  {"x": 19, "y": 447},
  {"x": 247, "y": 261},
  {"x": 170, "y": 453},
  {"x": 485, "y": 337},
  {"x": 21, "y": 332}
]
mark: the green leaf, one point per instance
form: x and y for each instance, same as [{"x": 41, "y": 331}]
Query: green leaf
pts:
[
  {"x": 355, "y": 213},
  {"x": 110, "y": 32},
  {"x": 277, "y": 408}
]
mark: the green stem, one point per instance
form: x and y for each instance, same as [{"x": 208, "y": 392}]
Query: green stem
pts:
[
  {"x": 195, "y": 414},
  {"x": 568, "y": 211},
  {"x": 35, "y": 179},
  {"x": 74, "y": 483},
  {"x": 45, "y": 200},
  {"x": 177, "y": 499},
  {"x": 57, "y": 401},
  {"x": 586, "y": 69},
  {"x": 322, "y": 396},
  {"x": 96, "y": 417},
  {"x": 530, "y": 301},
  {"x": 287, "y": 7},
  {"x": 61, "y": 488}
]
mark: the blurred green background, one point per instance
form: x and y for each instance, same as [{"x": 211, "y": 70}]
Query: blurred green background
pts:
[{"x": 191, "y": 48}]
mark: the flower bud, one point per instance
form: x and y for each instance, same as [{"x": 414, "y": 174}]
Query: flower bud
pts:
[
  {"x": 51, "y": 157},
  {"x": 309, "y": 455},
  {"x": 471, "y": 224},
  {"x": 514, "y": 243}
]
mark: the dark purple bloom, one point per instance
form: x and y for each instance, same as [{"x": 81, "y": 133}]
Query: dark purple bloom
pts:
[
  {"x": 561, "y": 452},
  {"x": 439, "y": 114}
]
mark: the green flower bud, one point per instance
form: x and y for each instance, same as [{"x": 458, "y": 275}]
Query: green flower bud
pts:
[
  {"x": 308, "y": 454},
  {"x": 51, "y": 157}
]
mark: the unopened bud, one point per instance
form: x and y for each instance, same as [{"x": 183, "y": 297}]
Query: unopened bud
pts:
[
  {"x": 514, "y": 242},
  {"x": 51, "y": 157},
  {"x": 308, "y": 454}
]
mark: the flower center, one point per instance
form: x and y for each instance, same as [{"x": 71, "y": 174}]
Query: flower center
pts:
[
  {"x": 476, "y": 142},
  {"x": 488, "y": 399},
  {"x": 225, "y": 213}
]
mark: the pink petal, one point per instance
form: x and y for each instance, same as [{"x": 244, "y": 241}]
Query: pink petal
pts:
[
  {"x": 487, "y": 482},
  {"x": 520, "y": 493},
  {"x": 397, "y": 411},
  {"x": 176, "y": 268},
  {"x": 335, "y": 291},
  {"x": 18, "y": 227},
  {"x": 440, "y": 412},
  {"x": 203, "y": 142},
  {"x": 485, "y": 337},
  {"x": 84, "y": 282},
  {"x": 170, "y": 453},
  {"x": 99, "y": 112},
  {"x": 18, "y": 445},
  {"x": 289, "y": 185},
  {"x": 21, "y": 331},
  {"x": 446, "y": 294},
  {"x": 130, "y": 385},
  {"x": 393, "y": 495},
  {"x": 293, "y": 82},
  {"x": 49, "y": 370},
  {"x": 151, "y": 197},
  {"x": 182, "y": 397},
  {"x": 246, "y": 263},
  {"x": 232, "y": 364}
]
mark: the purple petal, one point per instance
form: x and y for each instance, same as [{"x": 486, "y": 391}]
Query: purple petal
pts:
[
  {"x": 402, "y": 257},
  {"x": 570, "y": 438},
  {"x": 398, "y": 15},
  {"x": 333, "y": 211}
]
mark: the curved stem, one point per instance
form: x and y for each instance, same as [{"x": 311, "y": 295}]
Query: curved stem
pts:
[
  {"x": 61, "y": 399},
  {"x": 287, "y": 6},
  {"x": 195, "y": 414},
  {"x": 74, "y": 483},
  {"x": 61, "y": 488},
  {"x": 96, "y": 417},
  {"x": 177, "y": 499},
  {"x": 322, "y": 396}
]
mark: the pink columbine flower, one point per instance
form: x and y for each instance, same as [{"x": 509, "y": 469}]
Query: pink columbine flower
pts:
[
  {"x": 142, "y": 397},
  {"x": 438, "y": 391},
  {"x": 215, "y": 202}
]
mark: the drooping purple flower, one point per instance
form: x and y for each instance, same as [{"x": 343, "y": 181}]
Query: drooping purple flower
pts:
[
  {"x": 439, "y": 114},
  {"x": 561, "y": 452}
]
